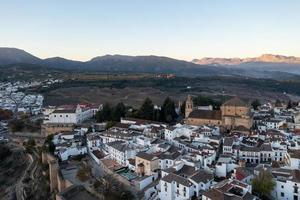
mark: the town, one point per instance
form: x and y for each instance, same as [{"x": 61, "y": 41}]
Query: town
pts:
[
  {"x": 150, "y": 100},
  {"x": 237, "y": 150}
]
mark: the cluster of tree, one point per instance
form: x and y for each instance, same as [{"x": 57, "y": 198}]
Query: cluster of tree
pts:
[
  {"x": 202, "y": 101},
  {"x": 4, "y": 152},
  {"x": 263, "y": 184},
  {"x": 206, "y": 101},
  {"x": 255, "y": 104},
  {"x": 291, "y": 104},
  {"x": 109, "y": 113},
  {"x": 48, "y": 144},
  {"x": 147, "y": 111},
  {"x": 5, "y": 114},
  {"x": 19, "y": 125},
  {"x": 29, "y": 145},
  {"x": 112, "y": 189},
  {"x": 166, "y": 113}
]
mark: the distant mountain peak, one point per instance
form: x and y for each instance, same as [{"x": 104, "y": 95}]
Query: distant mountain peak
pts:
[
  {"x": 10, "y": 55},
  {"x": 267, "y": 58}
]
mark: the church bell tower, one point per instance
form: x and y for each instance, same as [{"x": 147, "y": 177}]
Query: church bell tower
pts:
[{"x": 188, "y": 106}]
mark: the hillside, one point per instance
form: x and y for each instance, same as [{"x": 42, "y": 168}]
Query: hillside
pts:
[
  {"x": 262, "y": 65},
  {"x": 13, "y": 55},
  {"x": 265, "y": 66},
  {"x": 265, "y": 58}
]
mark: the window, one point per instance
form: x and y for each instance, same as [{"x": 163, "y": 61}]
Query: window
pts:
[
  {"x": 282, "y": 194},
  {"x": 67, "y": 116},
  {"x": 282, "y": 186},
  {"x": 295, "y": 197},
  {"x": 54, "y": 115},
  {"x": 295, "y": 188}
]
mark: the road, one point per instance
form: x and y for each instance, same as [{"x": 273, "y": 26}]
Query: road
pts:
[
  {"x": 3, "y": 132},
  {"x": 29, "y": 172}
]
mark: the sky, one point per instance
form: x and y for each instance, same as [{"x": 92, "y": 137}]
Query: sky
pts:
[{"x": 182, "y": 29}]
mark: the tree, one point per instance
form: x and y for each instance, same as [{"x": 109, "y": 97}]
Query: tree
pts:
[
  {"x": 206, "y": 101},
  {"x": 17, "y": 125},
  {"x": 49, "y": 144},
  {"x": 263, "y": 184},
  {"x": 182, "y": 109},
  {"x": 168, "y": 113},
  {"x": 118, "y": 111},
  {"x": 255, "y": 104},
  {"x": 156, "y": 115},
  {"x": 104, "y": 114},
  {"x": 278, "y": 103},
  {"x": 110, "y": 124},
  {"x": 31, "y": 142},
  {"x": 290, "y": 105},
  {"x": 5, "y": 114},
  {"x": 4, "y": 152},
  {"x": 146, "y": 110}
]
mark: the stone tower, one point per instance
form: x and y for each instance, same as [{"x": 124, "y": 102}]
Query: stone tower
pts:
[{"x": 189, "y": 106}]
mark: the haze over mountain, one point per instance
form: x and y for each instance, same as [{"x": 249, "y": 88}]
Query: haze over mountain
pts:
[
  {"x": 265, "y": 66},
  {"x": 266, "y": 58}
]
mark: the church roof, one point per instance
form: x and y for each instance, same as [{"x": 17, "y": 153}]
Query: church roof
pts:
[
  {"x": 206, "y": 114},
  {"x": 236, "y": 102}
]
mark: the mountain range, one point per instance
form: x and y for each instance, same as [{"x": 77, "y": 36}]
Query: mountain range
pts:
[
  {"x": 265, "y": 58},
  {"x": 266, "y": 66}
]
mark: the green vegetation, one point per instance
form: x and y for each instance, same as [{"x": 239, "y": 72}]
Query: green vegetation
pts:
[
  {"x": 48, "y": 144},
  {"x": 255, "y": 104},
  {"x": 4, "y": 152},
  {"x": 263, "y": 184},
  {"x": 146, "y": 111},
  {"x": 165, "y": 114},
  {"x": 112, "y": 189},
  {"x": 29, "y": 145},
  {"x": 109, "y": 113},
  {"x": 206, "y": 101},
  {"x": 110, "y": 124},
  {"x": 19, "y": 125},
  {"x": 5, "y": 114},
  {"x": 168, "y": 113}
]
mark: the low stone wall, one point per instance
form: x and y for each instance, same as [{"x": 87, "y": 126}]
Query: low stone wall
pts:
[{"x": 115, "y": 175}]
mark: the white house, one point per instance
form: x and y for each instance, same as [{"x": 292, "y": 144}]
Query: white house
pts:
[
  {"x": 287, "y": 184},
  {"x": 69, "y": 116},
  {"x": 292, "y": 159},
  {"x": 120, "y": 151},
  {"x": 183, "y": 182},
  {"x": 225, "y": 164}
]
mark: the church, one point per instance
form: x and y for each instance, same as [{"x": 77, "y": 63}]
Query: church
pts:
[{"x": 233, "y": 113}]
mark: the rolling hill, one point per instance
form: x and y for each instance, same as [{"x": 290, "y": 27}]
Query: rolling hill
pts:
[{"x": 265, "y": 66}]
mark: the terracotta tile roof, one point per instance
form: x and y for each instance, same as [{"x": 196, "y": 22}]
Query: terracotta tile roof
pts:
[
  {"x": 146, "y": 156},
  {"x": 235, "y": 102},
  {"x": 206, "y": 114},
  {"x": 173, "y": 177}
]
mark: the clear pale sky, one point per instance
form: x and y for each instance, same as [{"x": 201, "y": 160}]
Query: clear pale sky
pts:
[{"x": 183, "y": 29}]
